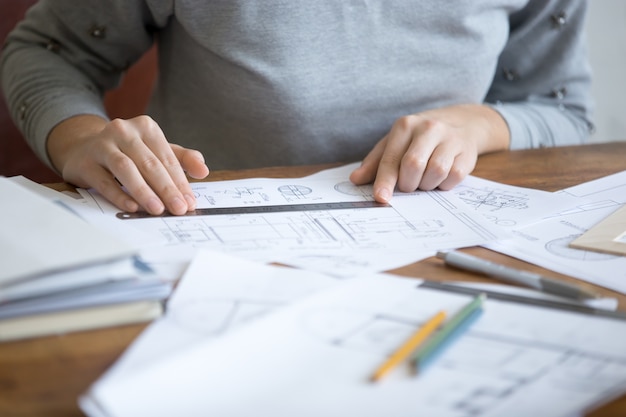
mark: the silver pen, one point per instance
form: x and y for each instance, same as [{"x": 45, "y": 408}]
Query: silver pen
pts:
[{"x": 504, "y": 273}]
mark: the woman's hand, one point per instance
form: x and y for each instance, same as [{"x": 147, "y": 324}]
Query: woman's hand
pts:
[
  {"x": 129, "y": 162},
  {"x": 435, "y": 148}
]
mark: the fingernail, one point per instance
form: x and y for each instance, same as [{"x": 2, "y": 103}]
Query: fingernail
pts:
[
  {"x": 155, "y": 206},
  {"x": 178, "y": 206},
  {"x": 384, "y": 195},
  {"x": 191, "y": 202}
]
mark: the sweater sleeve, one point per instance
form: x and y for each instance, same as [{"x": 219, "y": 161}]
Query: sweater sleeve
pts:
[
  {"x": 59, "y": 61},
  {"x": 543, "y": 84}
]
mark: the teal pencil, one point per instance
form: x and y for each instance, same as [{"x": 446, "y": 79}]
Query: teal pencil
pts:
[{"x": 452, "y": 327}]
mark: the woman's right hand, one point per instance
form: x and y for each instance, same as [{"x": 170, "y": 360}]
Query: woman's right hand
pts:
[{"x": 129, "y": 162}]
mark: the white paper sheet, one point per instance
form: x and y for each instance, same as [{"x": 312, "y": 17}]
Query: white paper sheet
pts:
[
  {"x": 314, "y": 358},
  {"x": 39, "y": 236},
  {"x": 72, "y": 279},
  {"x": 112, "y": 283},
  {"x": 546, "y": 243},
  {"x": 342, "y": 242},
  {"x": 511, "y": 207},
  {"x": 218, "y": 293}
]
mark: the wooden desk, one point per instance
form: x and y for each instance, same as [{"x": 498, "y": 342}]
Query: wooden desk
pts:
[{"x": 43, "y": 377}]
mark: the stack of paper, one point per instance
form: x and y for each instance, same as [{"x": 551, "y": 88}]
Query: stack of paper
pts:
[
  {"x": 62, "y": 274},
  {"x": 236, "y": 329},
  {"x": 548, "y": 243},
  {"x": 219, "y": 351}
]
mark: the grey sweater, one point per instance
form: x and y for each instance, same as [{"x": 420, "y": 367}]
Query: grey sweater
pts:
[{"x": 281, "y": 82}]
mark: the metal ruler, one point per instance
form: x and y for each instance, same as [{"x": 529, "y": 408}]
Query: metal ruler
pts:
[
  {"x": 260, "y": 209},
  {"x": 565, "y": 304}
]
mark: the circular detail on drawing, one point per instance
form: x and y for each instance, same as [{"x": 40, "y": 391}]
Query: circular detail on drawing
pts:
[
  {"x": 348, "y": 188},
  {"x": 294, "y": 190},
  {"x": 215, "y": 315},
  {"x": 560, "y": 247}
]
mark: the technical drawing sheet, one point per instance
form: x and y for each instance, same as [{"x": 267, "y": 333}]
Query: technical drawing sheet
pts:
[
  {"x": 508, "y": 206},
  {"x": 546, "y": 243},
  {"x": 342, "y": 242},
  {"x": 314, "y": 358},
  {"x": 217, "y": 294}
]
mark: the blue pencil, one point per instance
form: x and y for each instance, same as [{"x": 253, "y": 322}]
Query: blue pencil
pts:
[{"x": 453, "y": 327}]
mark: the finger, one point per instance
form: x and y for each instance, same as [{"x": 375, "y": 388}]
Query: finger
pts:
[
  {"x": 438, "y": 168},
  {"x": 366, "y": 173},
  {"x": 110, "y": 188},
  {"x": 463, "y": 164},
  {"x": 192, "y": 161},
  {"x": 160, "y": 167},
  {"x": 120, "y": 157},
  {"x": 398, "y": 141},
  {"x": 416, "y": 158},
  {"x": 148, "y": 168},
  {"x": 139, "y": 170},
  {"x": 123, "y": 168}
]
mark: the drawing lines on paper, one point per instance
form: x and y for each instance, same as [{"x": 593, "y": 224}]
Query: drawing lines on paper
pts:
[
  {"x": 349, "y": 228},
  {"x": 500, "y": 366},
  {"x": 619, "y": 191},
  {"x": 239, "y": 194},
  {"x": 461, "y": 215},
  {"x": 491, "y": 199},
  {"x": 587, "y": 207},
  {"x": 209, "y": 195},
  {"x": 493, "y": 203},
  {"x": 217, "y": 316},
  {"x": 560, "y": 247},
  {"x": 294, "y": 192},
  {"x": 348, "y": 188},
  {"x": 365, "y": 191}
]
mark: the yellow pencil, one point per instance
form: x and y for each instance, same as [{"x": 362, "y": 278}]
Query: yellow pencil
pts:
[{"x": 409, "y": 346}]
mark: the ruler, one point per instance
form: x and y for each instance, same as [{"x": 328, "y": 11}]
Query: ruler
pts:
[
  {"x": 260, "y": 209},
  {"x": 565, "y": 304}
]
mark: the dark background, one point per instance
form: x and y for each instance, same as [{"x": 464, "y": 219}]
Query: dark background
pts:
[{"x": 16, "y": 157}]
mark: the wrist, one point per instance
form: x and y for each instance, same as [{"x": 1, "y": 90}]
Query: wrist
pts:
[
  {"x": 496, "y": 135},
  {"x": 69, "y": 133}
]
